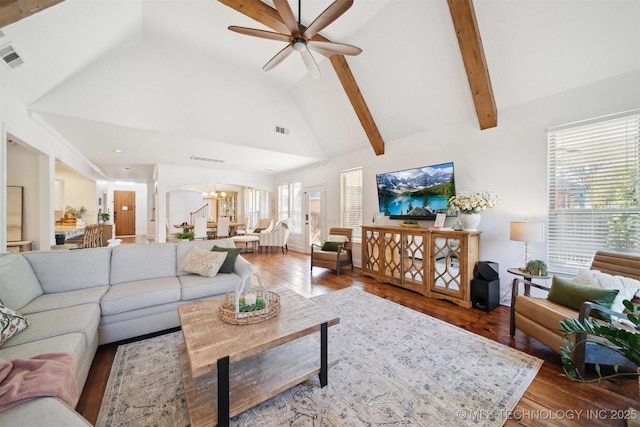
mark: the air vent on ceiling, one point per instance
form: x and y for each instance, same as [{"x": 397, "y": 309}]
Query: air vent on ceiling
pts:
[
  {"x": 10, "y": 57},
  {"x": 282, "y": 130},
  {"x": 206, "y": 159}
]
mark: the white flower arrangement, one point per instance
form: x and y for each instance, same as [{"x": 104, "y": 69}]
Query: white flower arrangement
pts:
[{"x": 473, "y": 203}]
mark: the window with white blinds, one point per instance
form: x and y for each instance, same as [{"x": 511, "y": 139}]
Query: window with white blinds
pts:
[
  {"x": 351, "y": 201},
  {"x": 593, "y": 190}
]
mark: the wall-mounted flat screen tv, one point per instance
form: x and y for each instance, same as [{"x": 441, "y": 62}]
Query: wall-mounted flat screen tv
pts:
[{"x": 418, "y": 193}]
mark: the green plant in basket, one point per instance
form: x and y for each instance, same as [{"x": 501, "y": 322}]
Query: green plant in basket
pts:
[
  {"x": 410, "y": 221},
  {"x": 259, "y": 305}
]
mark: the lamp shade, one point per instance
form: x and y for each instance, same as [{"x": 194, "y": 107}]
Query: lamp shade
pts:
[{"x": 525, "y": 231}]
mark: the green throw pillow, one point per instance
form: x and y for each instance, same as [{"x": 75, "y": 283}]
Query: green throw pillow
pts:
[
  {"x": 232, "y": 254},
  {"x": 332, "y": 246},
  {"x": 258, "y": 230},
  {"x": 572, "y": 294}
]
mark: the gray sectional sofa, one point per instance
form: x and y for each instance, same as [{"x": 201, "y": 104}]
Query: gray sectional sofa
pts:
[{"x": 76, "y": 300}]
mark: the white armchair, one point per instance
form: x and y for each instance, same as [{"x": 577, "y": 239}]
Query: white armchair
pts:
[
  {"x": 264, "y": 225},
  {"x": 277, "y": 237}
]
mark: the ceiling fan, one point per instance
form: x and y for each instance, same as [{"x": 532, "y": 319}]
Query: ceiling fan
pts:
[{"x": 300, "y": 38}]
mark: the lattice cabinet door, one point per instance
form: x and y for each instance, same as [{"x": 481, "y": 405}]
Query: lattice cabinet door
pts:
[
  {"x": 392, "y": 258},
  {"x": 453, "y": 255},
  {"x": 415, "y": 261},
  {"x": 371, "y": 251}
]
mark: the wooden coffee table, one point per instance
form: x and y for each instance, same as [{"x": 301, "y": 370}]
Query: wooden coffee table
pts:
[{"x": 227, "y": 369}]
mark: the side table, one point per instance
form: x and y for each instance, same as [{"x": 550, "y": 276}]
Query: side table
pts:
[{"x": 528, "y": 276}]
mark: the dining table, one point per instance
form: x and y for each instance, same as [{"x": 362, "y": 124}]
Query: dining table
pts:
[{"x": 211, "y": 226}]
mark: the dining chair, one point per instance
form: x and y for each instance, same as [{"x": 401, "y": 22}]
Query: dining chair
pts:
[
  {"x": 222, "y": 230},
  {"x": 200, "y": 228},
  {"x": 241, "y": 229}
]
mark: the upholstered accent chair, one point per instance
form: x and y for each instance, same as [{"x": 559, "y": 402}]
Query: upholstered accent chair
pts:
[
  {"x": 277, "y": 237},
  {"x": 540, "y": 317},
  {"x": 335, "y": 253},
  {"x": 264, "y": 224}
]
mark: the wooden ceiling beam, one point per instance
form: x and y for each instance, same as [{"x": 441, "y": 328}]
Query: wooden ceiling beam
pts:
[
  {"x": 466, "y": 27},
  {"x": 14, "y": 10},
  {"x": 269, "y": 17},
  {"x": 350, "y": 86}
]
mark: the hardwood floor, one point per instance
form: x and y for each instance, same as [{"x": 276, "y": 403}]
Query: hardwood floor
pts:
[{"x": 551, "y": 399}]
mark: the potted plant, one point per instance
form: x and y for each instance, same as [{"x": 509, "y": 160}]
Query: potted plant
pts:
[
  {"x": 536, "y": 268},
  {"x": 72, "y": 215},
  {"x": 186, "y": 235},
  {"x": 104, "y": 217},
  {"x": 622, "y": 341}
]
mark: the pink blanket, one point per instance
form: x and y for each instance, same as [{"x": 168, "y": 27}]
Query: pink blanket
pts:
[{"x": 49, "y": 374}]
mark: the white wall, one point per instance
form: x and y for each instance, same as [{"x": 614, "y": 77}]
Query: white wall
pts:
[
  {"x": 509, "y": 160},
  {"x": 47, "y": 147},
  {"x": 23, "y": 160}
]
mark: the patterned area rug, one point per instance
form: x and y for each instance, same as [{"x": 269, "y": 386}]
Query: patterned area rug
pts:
[{"x": 397, "y": 367}]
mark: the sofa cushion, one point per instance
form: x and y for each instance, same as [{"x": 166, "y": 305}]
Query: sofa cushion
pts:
[
  {"x": 202, "y": 262},
  {"x": 18, "y": 283},
  {"x": 46, "y": 324},
  {"x": 332, "y": 246},
  {"x": 183, "y": 248},
  {"x": 74, "y": 343},
  {"x": 627, "y": 287},
  {"x": 230, "y": 261},
  {"x": 11, "y": 323},
  {"x": 196, "y": 287},
  {"x": 572, "y": 294},
  {"x": 65, "y": 299},
  {"x": 142, "y": 261},
  {"x": 139, "y": 294},
  {"x": 60, "y": 271},
  {"x": 30, "y": 414}
]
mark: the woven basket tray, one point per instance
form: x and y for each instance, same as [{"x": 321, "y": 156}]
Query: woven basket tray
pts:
[{"x": 230, "y": 315}]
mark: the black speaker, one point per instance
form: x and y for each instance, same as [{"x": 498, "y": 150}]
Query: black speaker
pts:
[
  {"x": 485, "y": 294},
  {"x": 486, "y": 270}
]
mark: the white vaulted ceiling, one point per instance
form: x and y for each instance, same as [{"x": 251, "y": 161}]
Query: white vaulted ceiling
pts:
[{"x": 164, "y": 80}]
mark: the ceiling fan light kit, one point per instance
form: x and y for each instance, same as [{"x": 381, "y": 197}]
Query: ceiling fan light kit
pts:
[{"x": 299, "y": 37}]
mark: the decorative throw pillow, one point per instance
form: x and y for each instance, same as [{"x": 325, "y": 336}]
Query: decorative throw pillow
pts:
[
  {"x": 203, "y": 262},
  {"x": 627, "y": 287},
  {"x": 572, "y": 294},
  {"x": 229, "y": 262},
  {"x": 337, "y": 238},
  {"x": 331, "y": 246},
  {"x": 11, "y": 322}
]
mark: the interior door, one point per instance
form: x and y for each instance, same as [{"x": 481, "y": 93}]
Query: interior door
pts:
[
  {"x": 314, "y": 217},
  {"x": 124, "y": 212}
]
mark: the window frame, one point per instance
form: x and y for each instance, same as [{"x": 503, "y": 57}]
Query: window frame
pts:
[
  {"x": 593, "y": 190},
  {"x": 351, "y": 209}
]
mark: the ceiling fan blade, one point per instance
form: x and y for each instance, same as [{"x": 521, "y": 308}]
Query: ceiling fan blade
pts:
[
  {"x": 310, "y": 63},
  {"x": 288, "y": 19},
  {"x": 261, "y": 33},
  {"x": 333, "y": 48},
  {"x": 329, "y": 15},
  {"x": 278, "y": 58}
]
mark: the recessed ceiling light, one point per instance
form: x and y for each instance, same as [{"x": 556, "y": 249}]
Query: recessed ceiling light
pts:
[{"x": 117, "y": 151}]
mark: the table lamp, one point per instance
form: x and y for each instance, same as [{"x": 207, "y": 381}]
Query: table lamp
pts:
[{"x": 525, "y": 231}]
